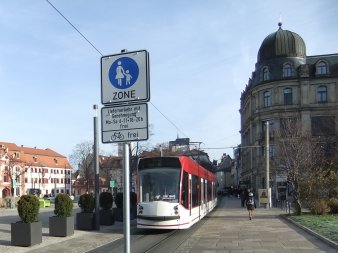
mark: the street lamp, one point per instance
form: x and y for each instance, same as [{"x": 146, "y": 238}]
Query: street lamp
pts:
[{"x": 267, "y": 181}]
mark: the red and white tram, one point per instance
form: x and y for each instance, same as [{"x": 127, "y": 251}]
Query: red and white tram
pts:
[{"x": 173, "y": 192}]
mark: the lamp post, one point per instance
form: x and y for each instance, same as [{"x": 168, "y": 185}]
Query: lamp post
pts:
[{"x": 267, "y": 180}]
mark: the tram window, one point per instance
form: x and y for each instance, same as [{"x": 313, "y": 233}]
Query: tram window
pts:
[
  {"x": 185, "y": 183},
  {"x": 194, "y": 190},
  {"x": 159, "y": 184}
]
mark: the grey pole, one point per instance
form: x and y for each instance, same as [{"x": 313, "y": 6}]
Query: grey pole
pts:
[
  {"x": 96, "y": 166},
  {"x": 267, "y": 164},
  {"x": 126, "y": 199}
]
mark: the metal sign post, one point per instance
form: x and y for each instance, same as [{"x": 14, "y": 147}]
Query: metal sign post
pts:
[
  {"x": 124, "y": 92},
  {"x": 126, "y": 199},
  {"x": 96, "y": 166}
]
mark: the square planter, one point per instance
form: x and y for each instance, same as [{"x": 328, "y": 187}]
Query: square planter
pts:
[
  {"x": 61, "y": 226},
  {"x": 118, "y": 213},
  {"x": 85, "y": 221},
  {"x": 107, "y": 217},
  {"x": 26, "y": 234}
]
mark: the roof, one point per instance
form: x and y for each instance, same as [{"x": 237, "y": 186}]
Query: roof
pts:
[
  {"x": 36, "y": 157},
  {"x": 282, "y": 43}
]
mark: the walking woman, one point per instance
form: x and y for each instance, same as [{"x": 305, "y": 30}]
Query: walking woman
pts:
[{"x": 250, "y": 204}]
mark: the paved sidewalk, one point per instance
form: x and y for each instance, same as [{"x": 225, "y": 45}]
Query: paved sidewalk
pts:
[
  {"x": 229, "y": 230},
  {"x": 81, "y": 241},
  {"x": 226, "y": 230}
]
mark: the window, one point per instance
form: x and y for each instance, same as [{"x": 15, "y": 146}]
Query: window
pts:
[
  {"x": 287, "y": 96},
  {"x": 287, "y": 70},
  {"x": 322, "y": 94},
  {"x": 321, "y": 68},
  {"x": 265, "y": 74},
  {"x": 323, "y": 126},
  {"x": 267, "y": 99}
]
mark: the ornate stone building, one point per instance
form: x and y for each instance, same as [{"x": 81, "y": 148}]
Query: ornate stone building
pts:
[{"x": 286, "y": 84}]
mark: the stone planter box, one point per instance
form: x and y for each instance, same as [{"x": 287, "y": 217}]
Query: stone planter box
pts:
[
  {"x": 26, "y": 234},
  {"x": 61, "y": 226},
  {"x": 85, "y": 221},
  {"x": 107, "y": 217}
]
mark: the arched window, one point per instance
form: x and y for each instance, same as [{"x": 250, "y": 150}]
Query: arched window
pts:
[
  {"x": 287, "y": 96},
  {"x": 287, "y": 70},
  {"x": 265, "y": 74},
  {"x": 322, "y": 94},
  {"x": 321, "y": 68},
  {"x": 267, "y": 99}
]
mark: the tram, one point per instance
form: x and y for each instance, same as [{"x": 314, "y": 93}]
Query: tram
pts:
[{"x": 173, "y": 192}]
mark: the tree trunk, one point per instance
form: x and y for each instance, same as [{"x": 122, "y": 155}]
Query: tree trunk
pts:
[{"x": 296, "y": 198}]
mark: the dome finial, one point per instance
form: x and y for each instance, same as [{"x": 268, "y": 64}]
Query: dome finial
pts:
[{"x": 280, "y": 21}]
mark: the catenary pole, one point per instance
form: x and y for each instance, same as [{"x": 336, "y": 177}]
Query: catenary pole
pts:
[{"x": 267, "y": 180}]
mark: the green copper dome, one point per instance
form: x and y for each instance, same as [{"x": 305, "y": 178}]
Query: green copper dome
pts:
[{"x": 282, "y": 43}]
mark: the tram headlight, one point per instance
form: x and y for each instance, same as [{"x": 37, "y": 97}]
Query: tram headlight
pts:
[
  {"x": 140, "y": 209},
  {"x": 176, "y": 209}
]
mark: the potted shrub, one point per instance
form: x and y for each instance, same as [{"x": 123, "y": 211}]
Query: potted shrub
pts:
[
  {"x": 106, "y": 212},
  {"x": 28, "y": 231},
  {"x": 85, "y": 219},
  {"x": 62, "y": 224}
]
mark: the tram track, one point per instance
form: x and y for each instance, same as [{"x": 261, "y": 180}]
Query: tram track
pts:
[
  {"x": 154, "y": 241},
  {"x": 151, "y": 241}
]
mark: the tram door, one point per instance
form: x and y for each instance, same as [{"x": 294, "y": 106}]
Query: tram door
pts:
[
  {"x": 190, "y": 190},
  {"x": 202, "y": 195},
  {"x": 205, "y": 195}
]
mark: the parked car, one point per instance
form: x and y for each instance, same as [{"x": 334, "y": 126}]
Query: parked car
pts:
[{"x": 50, "y": 197}]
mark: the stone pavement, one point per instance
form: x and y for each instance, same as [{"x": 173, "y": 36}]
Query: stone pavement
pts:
[
  {"x": 81, "y": 241},
  {"x": 227, "y": 230}
]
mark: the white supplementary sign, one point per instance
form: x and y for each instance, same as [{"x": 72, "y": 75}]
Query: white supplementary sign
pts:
[
  {"x": 124, "y": 123},
  {"x": 125, "y": 78}
]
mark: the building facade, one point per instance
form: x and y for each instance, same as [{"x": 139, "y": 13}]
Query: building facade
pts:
[
  {"x": 286, "y": 84},
  {"x": 24, "y": 170}
]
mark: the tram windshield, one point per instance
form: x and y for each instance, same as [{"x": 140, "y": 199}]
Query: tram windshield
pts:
[{"x": 159, "y": 184}]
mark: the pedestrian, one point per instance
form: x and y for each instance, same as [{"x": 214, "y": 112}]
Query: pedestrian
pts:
[
  {"x": 244, "y": 195},
  {"x": 250, "y": 204}
]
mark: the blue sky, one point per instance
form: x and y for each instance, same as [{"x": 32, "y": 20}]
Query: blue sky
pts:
[{"x": 202, "y": 54}]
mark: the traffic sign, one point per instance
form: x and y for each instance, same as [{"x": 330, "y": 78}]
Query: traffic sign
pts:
[
  {"x": 124, "y": 123},
  {"x": 125, "y": 78}
]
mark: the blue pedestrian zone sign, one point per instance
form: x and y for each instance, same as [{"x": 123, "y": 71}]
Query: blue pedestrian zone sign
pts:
[
  {"x": 123, "y": 73},
  {"x": 125, "y": 78}
]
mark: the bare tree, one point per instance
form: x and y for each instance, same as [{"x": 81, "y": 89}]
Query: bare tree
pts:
[
  {"x": 301, "y": 157},
  {"x": 83, "y": 158}
]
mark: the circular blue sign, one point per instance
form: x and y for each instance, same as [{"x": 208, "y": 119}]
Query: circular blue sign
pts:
[{"x": 123, "y": 73}]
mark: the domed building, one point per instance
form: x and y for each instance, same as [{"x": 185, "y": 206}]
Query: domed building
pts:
[{"x": 287, "y": 85}]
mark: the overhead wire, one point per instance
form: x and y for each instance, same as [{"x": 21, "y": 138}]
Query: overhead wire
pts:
[
  {"x": 74, "y": 27},
  {"x": 70, "y": 23}
]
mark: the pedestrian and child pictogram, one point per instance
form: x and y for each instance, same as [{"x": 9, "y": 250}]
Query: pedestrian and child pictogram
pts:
[{"x": 123, "y": 73}]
